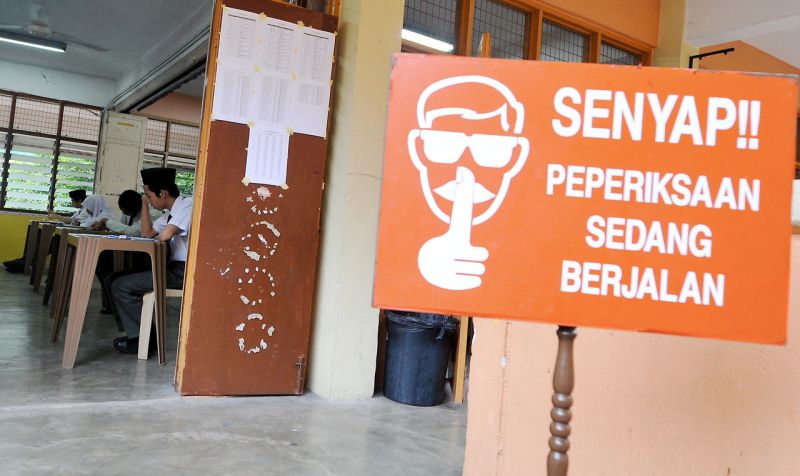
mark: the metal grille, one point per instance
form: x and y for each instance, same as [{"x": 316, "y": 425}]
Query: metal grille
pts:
[
  {"x": 5, "y": 110},
  {"x": 76, "y": 164},
  {"x": 610, "y": 54},
  {"x": 433, "y": 18},
  {"x": 33, "y": 115},
  {"x": 80, "y": 123},
  {"x": 29, "y": 173},
  {"x": 183, "y": 139},
  {"x": 508, "y": 27},
  {"x": 155, "y": 137},
  {"x": 563, "y": 44}
]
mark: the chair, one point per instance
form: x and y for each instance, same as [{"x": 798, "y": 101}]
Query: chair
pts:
[{"x": 148, "y": 305}]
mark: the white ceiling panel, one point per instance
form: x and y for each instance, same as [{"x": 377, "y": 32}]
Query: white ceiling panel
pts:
[{"x": 104, "y": 37}]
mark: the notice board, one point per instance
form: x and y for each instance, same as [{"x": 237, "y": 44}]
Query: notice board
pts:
[
  {"x": 251, "y": 271},
  {"x": 646, "y": 199}
]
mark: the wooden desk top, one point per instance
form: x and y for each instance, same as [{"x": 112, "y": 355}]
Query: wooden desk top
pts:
[{"x": 113, "y": 242}]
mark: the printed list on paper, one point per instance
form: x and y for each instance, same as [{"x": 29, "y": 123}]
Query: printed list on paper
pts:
[
  {"x": 273, "y": 72},
  {"x": 267, "y": 155}
]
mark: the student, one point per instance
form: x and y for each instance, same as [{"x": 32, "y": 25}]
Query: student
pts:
[
  {"x": 173, "y": 227},
  {"x": 94, "y": 208},
  {"x": 129, "y": 223},
  {"x": 76, "y": 197}
]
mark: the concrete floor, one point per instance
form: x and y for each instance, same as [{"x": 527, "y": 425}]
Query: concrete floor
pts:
[{"x": 113, "y": 414}]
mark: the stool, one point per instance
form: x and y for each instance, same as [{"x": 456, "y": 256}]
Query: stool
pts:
[{"x": 148, "y": 305}]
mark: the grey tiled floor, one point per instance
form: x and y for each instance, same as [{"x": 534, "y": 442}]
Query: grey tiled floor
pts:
[{"x": 113, "y": 414}]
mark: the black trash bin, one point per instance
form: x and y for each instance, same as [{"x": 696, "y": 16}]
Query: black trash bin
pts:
[{"x": 417, "y": 353}]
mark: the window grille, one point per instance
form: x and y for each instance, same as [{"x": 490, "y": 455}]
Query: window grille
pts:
[
  {"x": 610, "y": 54},
  {"x": 171, "y": 144},
  {"x": 184, "y": 139},
  {"x": 563, "y": 44},
  {"x": 433, "y": 18},
  {"x": 507, "y": 26},
  {"x": 80, "y": 123},
  {"x": 33, "y": 115},
  {"x": 155, "y": 137},
  {"x": 5, "y": 110}
]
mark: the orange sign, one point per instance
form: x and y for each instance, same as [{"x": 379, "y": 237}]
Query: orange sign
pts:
[{"x": 631, "y": 198}]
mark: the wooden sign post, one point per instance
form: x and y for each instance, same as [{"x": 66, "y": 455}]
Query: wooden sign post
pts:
[{"x": 643, "y": 199}]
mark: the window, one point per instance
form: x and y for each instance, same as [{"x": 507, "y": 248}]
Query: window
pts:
[
  {"x": 562, "y": 44},
  {"x": 610, "y": 54},
  {"x": 49, "y": 148},
  {"x": 507, "y": 26},
  {"x": 173, "y": 144},
  {"x": 514, "y": 28},
  {"x": 435, "y": 19}
]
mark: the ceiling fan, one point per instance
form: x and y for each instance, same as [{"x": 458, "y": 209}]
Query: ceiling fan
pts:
[{"x": 38, "y": 32}]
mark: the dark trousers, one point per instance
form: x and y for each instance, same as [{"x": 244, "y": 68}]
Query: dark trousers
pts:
[
  {"x": 134, "y": 263},
  {"x": 128, "y": 287}
]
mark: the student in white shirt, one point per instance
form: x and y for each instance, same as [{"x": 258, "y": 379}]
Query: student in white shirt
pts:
[
  {"x": 174, "y": 226},
  {"x": 94, "y": 208},
  {"x": 130, "y": 204},
  {"x": 76, "y": 197},
  {"x": 129, "y": 222}
]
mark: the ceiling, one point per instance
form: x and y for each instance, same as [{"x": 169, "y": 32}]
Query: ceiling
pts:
[
  {"x": 122, "y": 31},
  {"x": 772, "y": 26}
]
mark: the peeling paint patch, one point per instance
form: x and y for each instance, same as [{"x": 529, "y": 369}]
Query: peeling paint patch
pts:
[
  {"x": 241, "y": 344},
  {"x": 247, "y": 270},
  {"x": 252, "y": 255},
  {"x": 250, "y": 281},
  {"x": 271, "y": 330},
  {"x": 285, "y": 186},
  {"x": 253, "y": 209},
  {"x": 263, "y": 344},
  {"x": 263, "y": 193},
  {"x": 249, "y": 199},
  {"x": 240, "y": 280},
  {"x": 245, "y": 181},
  {"x": 272, "y": 293},
  {"x": 223, "y": 273},
  {"x": 240, "y": 327},
  {"x": 244, "y": 299},
  {"x": 270, "y": 226},
  {"x": 262, "y": 240},
  {"x": 255, "y": 316}
]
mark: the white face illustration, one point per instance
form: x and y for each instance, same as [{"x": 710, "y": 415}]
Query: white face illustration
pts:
[
  {"x": 467, "y": 150},
  {"x": 482, "y": 139}
]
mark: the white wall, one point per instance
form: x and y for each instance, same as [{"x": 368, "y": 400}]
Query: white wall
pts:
[{"x": 56, "y": 84}]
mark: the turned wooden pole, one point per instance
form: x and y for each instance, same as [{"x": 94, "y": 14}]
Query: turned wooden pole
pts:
[{"x": 563, "y": 383}]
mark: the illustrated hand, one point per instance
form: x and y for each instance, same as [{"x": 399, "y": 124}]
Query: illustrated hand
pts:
[{"x": 450, "y": 261}]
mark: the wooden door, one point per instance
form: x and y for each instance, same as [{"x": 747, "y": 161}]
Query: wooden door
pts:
[{"x": 253, "y": 252}]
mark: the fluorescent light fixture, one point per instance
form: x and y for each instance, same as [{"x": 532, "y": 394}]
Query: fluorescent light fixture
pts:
[
  {"x": 423, "y": 40},
  {"x": 33, "y": 42}
]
